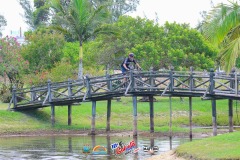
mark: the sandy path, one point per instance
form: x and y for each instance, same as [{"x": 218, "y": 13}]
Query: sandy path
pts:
[{"x": 169, "y": 155}]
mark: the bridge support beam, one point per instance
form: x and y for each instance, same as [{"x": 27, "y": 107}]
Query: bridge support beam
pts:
[
  {"x": 190, "y": 117},
  {"x": 214, "y": 117},
  {"x": 108, "y": 114},
  {"x": 136, "y": 155},
  {"x": 134, "y": 116},
  {"x": 70, "y": 144},
  {"x": 93, "y": 117},
  {"x": 170, "y": 115},
  {"x": 151, "y": 114},
  {"x": 53, "y": 115},
  {"x": 69, "y": 115},
  {"x": 230, "y": 114}
]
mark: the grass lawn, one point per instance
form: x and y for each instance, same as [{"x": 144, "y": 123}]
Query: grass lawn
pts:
[
  {"x": 121, "y": 116},
  {"x": 226, "y": 146}
]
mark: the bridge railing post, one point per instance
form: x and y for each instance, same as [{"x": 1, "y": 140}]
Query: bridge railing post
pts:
[
  {"x": 212, "y": 82},
  {"x": 171, "y": 88},
  {"x": 14, "y": 97},
  {"x": 109, "y": 82},
  {"x": 232, "y": 81},
  {"x": 191, "y": 81},
  {"x": 151, "y": 78},
  {"x": 88, "y": 85},
  {"x": 132, "y": 80},
  {"x": 69, "y": 88},
  {"x": 236, "y": 83},
  {"x": 49, "y": 91},
  {"x": 33, "y": 94}
]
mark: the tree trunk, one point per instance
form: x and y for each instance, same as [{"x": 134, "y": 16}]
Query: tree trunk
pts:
[{"x": 80, "y": 69}]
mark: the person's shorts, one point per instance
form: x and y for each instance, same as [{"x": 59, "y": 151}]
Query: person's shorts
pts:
[{"x": 124, "y": 71}]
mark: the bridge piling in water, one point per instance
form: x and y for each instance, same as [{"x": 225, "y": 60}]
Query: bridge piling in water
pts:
[
  {"x": 213, "y": 100},
  {"x": 50, "y": 96},
  {"x": 170, "y": 116},
  {"x": 93, "y": 117},
  {"x": 151, "y": 114},
  {"x": 230, "y": 114},
  {"x": 109, "y": 102},
  {"x": 69, "y": 115},
  {"x": 53, "y": 115},
  {"x": 191, "y": 87},
  {"x": 214, "y": 117},
  {"x": 134, "y": 98},
  {"x": 190, "y": 117},
  {"x": 230, "y": 101},
  {"x": 70, "y": 97}
]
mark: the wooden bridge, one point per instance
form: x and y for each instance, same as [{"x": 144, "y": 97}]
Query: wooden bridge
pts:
[{"x": 207, "y": 85}]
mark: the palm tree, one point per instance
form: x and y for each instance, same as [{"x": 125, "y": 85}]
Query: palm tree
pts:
[
  {"x": 79, "y": 19},
  {"x": 221, "y": 27}
]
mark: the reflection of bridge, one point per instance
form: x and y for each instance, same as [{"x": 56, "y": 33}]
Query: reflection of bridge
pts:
[{"x": 207, "y": 85}]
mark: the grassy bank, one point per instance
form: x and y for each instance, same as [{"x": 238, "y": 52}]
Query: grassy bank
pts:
[
  {"x": 121, "y": 116},
  {"x": 226, "y": 146}
]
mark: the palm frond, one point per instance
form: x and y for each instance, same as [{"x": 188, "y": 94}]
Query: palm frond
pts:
[
  {"x": 220, "y": 21},
  {"x": 229, "y": 54}
]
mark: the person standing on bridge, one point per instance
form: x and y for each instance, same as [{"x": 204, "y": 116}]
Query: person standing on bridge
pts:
[{"x": 125, "y": 66}]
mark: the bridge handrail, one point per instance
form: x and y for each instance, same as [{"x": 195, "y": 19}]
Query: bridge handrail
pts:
[{"x": 162, "y": 81}]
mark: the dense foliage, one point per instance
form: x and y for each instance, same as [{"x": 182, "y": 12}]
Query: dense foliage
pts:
[
  {"x": 37, "y": 15},
  {"x": 154, "y": 46},
  {"x": 117, "y": 8},
  {"x": 80, "y": 20},
  {"x": 221, "y": 28},
  {"x": 43, "y": 49},
  {"x": 12, "y": 63}
]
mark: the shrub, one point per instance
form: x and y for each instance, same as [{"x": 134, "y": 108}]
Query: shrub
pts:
[{"x": 5, "y": 94}]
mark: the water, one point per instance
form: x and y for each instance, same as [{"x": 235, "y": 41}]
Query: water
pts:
[{"x": 71, "y": 147}]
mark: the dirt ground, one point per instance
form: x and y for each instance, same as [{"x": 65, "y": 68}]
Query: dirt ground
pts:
[{"x": 169, "y": 155}]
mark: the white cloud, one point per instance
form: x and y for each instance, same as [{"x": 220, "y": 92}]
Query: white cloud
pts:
[
  {"x": 180, "y": 11},
  {"x": 11, "y": 10}
]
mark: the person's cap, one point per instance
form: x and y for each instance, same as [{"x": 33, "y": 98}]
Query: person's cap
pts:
[{"x": 131, "y": 54}]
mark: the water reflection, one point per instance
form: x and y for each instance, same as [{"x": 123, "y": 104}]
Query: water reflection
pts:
[{"x": 71, "y": 147}]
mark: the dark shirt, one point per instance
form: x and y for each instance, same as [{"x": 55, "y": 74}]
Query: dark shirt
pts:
[{"x": 127, "y": 61}]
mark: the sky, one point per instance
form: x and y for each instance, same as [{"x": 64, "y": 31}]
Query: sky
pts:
[{"x": 179, "y": 11}]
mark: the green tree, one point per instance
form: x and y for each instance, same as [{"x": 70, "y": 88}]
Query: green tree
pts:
[
  {"x": 70, "y": 53},
  {"x": 37, "y": 17},
  {"x": 12, "y": 63},
  {"x": 154, "y": 46},
  {"x": 80, "y": 20},
  {"x": 44, "y": 48},
  {"x": 117, "y": 8},
  {"x": 183, "y": 47},
  {"x": 61, "y": 71},
  {"x": 221, "y": 28}
]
